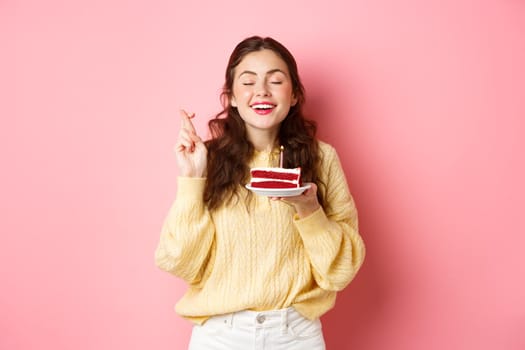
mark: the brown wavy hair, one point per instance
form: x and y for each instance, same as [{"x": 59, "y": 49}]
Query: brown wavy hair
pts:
[{"x": 229, "y": 150}]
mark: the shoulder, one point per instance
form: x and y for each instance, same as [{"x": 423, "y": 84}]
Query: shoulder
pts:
[
  {"x": 326, "y": 150},
  {"x": 329, "y": 160}
]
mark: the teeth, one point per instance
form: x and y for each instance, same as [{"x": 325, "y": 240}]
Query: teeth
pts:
[{"x": 262, "y": 106}]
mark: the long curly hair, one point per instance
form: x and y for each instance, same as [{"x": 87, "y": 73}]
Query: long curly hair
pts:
[{"x": 229, "y": 150}]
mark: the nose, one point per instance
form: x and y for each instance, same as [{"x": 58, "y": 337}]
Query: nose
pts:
[{"x": 262, "y": 89}]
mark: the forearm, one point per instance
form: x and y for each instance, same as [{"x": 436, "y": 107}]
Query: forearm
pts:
[
  {"x": 335, "y": 249},
  {"x": 187, "y": 234}
]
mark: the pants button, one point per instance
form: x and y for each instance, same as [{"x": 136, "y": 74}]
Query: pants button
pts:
[{"x": 260, "y": 318}]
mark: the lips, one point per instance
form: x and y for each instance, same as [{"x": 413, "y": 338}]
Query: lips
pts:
[{"x": 263, "y": 108}]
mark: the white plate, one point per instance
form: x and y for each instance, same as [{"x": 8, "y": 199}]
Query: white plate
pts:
[{"x": 278, "y": 192}]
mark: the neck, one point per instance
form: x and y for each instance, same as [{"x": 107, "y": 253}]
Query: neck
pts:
[{"x": 263, "y": 141}]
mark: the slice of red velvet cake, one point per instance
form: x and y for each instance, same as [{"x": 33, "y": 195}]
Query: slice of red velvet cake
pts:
[{"x": 275, "y": 178}]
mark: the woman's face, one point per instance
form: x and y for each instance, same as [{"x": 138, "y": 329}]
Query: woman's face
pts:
[{"x": 262, "y": 91}]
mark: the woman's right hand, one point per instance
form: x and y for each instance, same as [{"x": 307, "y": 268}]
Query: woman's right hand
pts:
[{"x": 190, "y": 151}]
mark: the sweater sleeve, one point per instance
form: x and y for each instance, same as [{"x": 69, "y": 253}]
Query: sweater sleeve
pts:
[
  {"x": 188, "y": 233},
  {"x": 330, "y": 234}
]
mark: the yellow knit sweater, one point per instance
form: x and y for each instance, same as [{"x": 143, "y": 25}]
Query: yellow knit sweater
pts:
[{"x": 256, "y": 254}]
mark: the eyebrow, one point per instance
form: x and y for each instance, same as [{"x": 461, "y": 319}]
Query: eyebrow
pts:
[{"x": 276, "y": 70}]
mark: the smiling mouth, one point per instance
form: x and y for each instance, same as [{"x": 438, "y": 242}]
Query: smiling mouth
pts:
[{"x": 263, "y": 106}]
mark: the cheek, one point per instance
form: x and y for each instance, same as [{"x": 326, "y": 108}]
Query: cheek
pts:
[
  {"x": 285, "y": 91},
  {"x": 242, "y": 96}
]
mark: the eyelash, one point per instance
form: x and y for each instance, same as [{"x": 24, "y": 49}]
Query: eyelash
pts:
[{"x": 273, "y": 82}]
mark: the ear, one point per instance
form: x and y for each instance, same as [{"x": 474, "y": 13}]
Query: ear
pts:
[{"x": 233, "y": 103}]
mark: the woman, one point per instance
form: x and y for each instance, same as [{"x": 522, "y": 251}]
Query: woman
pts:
[{"x": 261, "y": 271}]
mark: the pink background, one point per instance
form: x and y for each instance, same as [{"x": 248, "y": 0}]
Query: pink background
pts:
[{"x": 423, "y": 99}]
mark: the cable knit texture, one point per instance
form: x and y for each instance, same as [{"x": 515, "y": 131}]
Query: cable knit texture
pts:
[{"x": 256, "y": 254}]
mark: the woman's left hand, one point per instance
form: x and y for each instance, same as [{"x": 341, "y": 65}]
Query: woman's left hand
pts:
[{"x": 306, "y": 203}]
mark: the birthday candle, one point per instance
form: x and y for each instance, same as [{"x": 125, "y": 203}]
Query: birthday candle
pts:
[{"x": 281, "y": 157}]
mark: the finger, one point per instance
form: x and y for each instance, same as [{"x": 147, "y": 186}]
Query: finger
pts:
[
  {"x": 186, "y": 137},
  {"x": 184, "y": 142},
  {"x": 182, "y": 148},
  {"x": 195, "y": 138},
  {"x": 187, "y": 144},
  {"x": 312, "y": 189},
  {"x": 186, "y": 120}
]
